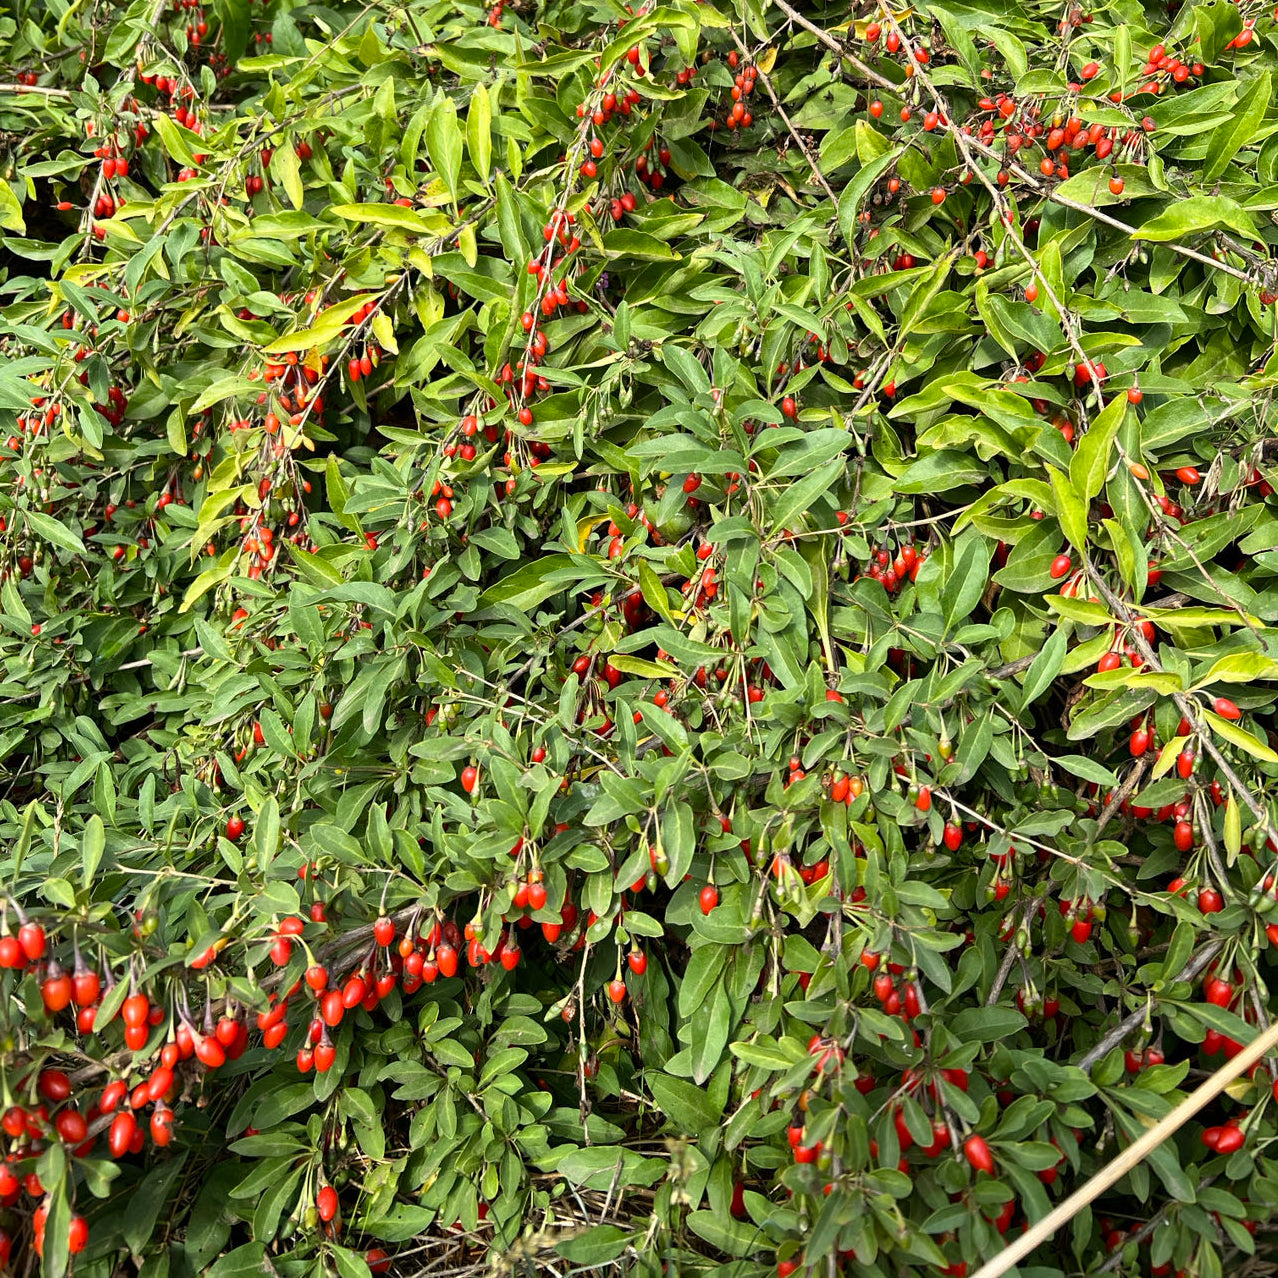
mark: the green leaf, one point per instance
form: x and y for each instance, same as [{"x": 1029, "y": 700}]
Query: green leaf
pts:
[
  {"x": 599, "y": 1245},
  {"x": 923, "y": 294},
  {"x": 286, "y": 169},
  {"x": 940, "y": 472},
  {"x": 531, "y": 585},
  {"x": 966, "y": 583},
  {"x": 1195, "y": 214},
  {"x": 985, "y": 1024},
  {"x": 735, "y": 1237},
  {"x": 148, "y": 1201},
  {"x": 684, "y": 1103},
  {"x": 1216, "y": 23},
  {"x": 638, "y": 245},
  {"x": 1071, "y": 509},
  {"x": 444, "y": 144},
  {"x": 234, "y": 17},
  {"x": 607, "y": 1167},
  {"x": 92, "y": 846},
  {"x": 1228, "y": 138},
  {"x": 351, "y": 1264},
  {"x": 266, "y": 831},
  {"x": 1046, "y": 666},
  {"x": 244, "y": 1262},
  {"x": 1091, "y": 461},
  {"x": 57, "y": 1255},
  {"x": 800, "y": 497},
  {"x": 51, "y": 530},
  {"x": 853, "y": 194}
]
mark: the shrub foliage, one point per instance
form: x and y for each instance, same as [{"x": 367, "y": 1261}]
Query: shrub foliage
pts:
[{"x": 634, "y": 640}]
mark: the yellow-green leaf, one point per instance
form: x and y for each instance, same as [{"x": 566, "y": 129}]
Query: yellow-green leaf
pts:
[
  {"x": 286, "y": 169},
  {"x": 395, "y": 216},
  {"x": 444, "y": 144},
  {"x": 1240, "y": 667},
  {"x": 642, "y": 668},
  {"x": 174, "y": 140},
  {"x": 1240, "y": 737},
  {"x": 1081, "y": 610},
  {"x": 479, "y": 132},
  {"x": 328, "y": 325},
  {"x": 468, "y": 245},
  {"x": 11, "y": 210},
  {"x": 205, "y": 582},
  {"x": 1091, "y": 460},
  {"x": 1167, "y": 756},
  {"x": 1071, "y": 509},
  {"x": 384, "y": 331},
  {"x": 1197, "y": 618}
]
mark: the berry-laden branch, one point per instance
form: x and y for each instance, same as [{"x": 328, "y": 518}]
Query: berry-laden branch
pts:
[{"x": 668, "y": 782}]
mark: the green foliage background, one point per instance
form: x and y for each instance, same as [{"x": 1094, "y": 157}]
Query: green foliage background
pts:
[{"x": 159, "y": 681}]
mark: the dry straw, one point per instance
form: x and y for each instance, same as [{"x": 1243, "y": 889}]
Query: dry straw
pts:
[{"x": 1131, "y": 1156}]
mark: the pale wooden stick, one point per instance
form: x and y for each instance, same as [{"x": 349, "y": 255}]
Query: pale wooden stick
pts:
[{"x": 1130, "y": 1157}]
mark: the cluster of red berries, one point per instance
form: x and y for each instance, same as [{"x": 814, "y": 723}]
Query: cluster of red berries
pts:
[
  {"x": 37, "y": 422},
  {"x": 1220, "y": 991},
  {"x": 1166, "y": 69},
  {"x": 289, "y": 387},
  {"x": 703, "y": 585},
  {"x": 197, "y": 29},
  {"x": 181, "y": 94},
  {"x": 560, "y": 235},
  {"x": 611, "y": 104},
  {"x": 361, "y": 366},
  {"x": 893, "y": 572},
  {"x": 469, "y": 428},
  {"x": 619, "y": 207},
  {"x": 737, "y": 116},
  {"x": 1075, "y": 134},
  {"x": 1124, "y": 650},
  {"x": 260, "y": 539},
  {"x": 52, "y": 1115}
]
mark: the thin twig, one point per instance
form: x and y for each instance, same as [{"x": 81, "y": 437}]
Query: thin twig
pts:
[
  {"x": 1010, "y": 954},
  {"x": 789, "y": 124},
  {"x": 1190, "y": 972},
  {"x": 1139, "y": 1235},
  {"x": 831, "y": 43},
  {"x": 1124, "y": 792}
]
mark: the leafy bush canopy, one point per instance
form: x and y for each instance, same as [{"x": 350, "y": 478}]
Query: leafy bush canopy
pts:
[{"x": 634, "y": 640}]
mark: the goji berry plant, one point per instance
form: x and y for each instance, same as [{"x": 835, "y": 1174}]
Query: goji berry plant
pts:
[{"x": 635, "y": 638}]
